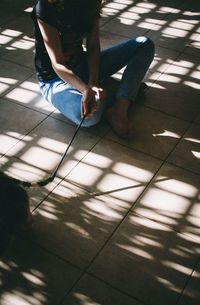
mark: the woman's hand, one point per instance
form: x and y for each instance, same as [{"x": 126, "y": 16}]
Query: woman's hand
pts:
[
  {"x": 99, "y": 93},
  {"x": 89, "y": 100}
]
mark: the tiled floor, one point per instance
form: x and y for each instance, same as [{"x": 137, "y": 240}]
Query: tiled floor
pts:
[{"x": 120, "y": 224}]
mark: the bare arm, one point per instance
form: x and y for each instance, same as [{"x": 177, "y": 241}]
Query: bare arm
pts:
[
  {"x": 53, "y": 46},
  {"x": 58, "y": 60},
  {"x": 93, "y": 49}
]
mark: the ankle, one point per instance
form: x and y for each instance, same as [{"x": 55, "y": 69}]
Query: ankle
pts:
[{"x": 121, "y": 105}]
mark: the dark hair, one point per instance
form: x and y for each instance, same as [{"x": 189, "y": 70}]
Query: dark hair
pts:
[
  {"x": 80, "y": 14},
  {"x": 14, "y": 209}
]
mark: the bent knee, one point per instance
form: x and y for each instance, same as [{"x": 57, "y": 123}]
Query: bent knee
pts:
[{"x": 147, "y": 44}]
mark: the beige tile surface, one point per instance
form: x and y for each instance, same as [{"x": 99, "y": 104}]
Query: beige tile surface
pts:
[
  {"x": 79, "y": 222},
  {"x": 154, "y": 133},
  {"x": 193, "y": 46},
  {"x": 28, "y": 275},
  {"x": 173, "y": 199},
  {"x": 10, "y": 10},
  {"x": 118, "y": 26},
  {"x": 146, "y": 254},
  {"x": 16, "y": 122},
  {"x": 110, "y": 39},
  {"x": 176, "y": 92},
  {"x": 114, "y": 169},
  {"x": 197, "y": 120},
  {"x": 122, "y": 227},
  {"x": 20, "y": 50},
  {"x": 175, "y": 30},
  {"x": 135, "y": 18},
  {"x": 92, "y": 291},
  {"x": 28, "y": 94},
  {"x": 46, "y": 144},
  {"x": 18, "y": 169},
  {"x": 191, "y": 293},
  {"x": 187, "y": 152},
  {"x": 22, "y": 23},
  {"x": 162, "y": 60},
  {"x": 10, "y": 76}
]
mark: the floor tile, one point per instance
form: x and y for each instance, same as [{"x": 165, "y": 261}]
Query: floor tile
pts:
[
  {"x": 176, "y": 92},
  {"x": 20, "y": 50},
  {"x": 3, "y": 42},
  {"x": 197, "y": 120},
  {"x": 187, "y": 152},
  {"x": 19, "y": 6},
  {"x": 30, "y": 276},
  {"x": 191, "y": 294},
  {"x": 6, "y": 14},
  {"x": 173, "y": 199},
  {"x": 193, "y": 46},
  {"x": 100, "y": 129},
  {"x": 162, "y": 60},
  {"x": 18, "y": 169},
  {"x": 109, "y": 39},
  {"x": 15, "y": 128},
  {"x": 91, "y": 291},
  {"x": 22, "y": 24},
  {"x": 2, "y": 51},
  {"x": 79, "y": 222},
  {"x": 116, "y": 170},
  {"x": 118, "y": 26},
  {"x": 10, "y": 10},
  {"x": 130, "y": 223},
  {"x": 28, "y": 94},
  {"x": 109, "y": 11},
  {"x": 154, "y": 133},
  {"x": 176, "y": 30},
  {"x": 146, "y": 255},
  {"x": 135, "y": 18},
  {"x": 192, "y": 7},
  {"x": 187, "y": 68},
  {"x": 46, "y": 144},
  {"x": 10, "y": 75}
]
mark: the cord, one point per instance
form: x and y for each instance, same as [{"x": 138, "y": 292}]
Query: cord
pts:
[{"x": 51, "y": 177}]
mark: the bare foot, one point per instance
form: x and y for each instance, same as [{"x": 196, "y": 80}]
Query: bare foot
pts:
[{"x": 119, "y": 123}]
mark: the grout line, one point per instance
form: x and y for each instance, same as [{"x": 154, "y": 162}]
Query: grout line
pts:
[
  {"x": 113, "y": 232},
  {"x": 134, "y": 149},
  {"x": 3, "y": 95},
  {"x": 26, "y": 133},
  {"x": 172, "y": 115},
  {"x": 84, "y": 271},
  {"x": 64, "y": 179},
  {"x": 193, "y": 239},
  {"x": 56, "y": 255},
  {"x": 187, "y": 282},
  {"x": 140, "y": 302},
  {"x": 28, "y": 107},
  {"x": 110, "y": 237},
  {"x": 18, "y": 64},
  {"x": 183, "y": 168},
  {"x": 116, "y": 288},
  {"x": 4, "y": 24}
]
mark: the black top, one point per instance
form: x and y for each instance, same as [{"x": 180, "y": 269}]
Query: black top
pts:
[{"x": 58, "y": 17}]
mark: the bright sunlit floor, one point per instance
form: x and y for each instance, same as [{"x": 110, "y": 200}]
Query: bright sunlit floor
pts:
[{"x": 120, "y": 223}]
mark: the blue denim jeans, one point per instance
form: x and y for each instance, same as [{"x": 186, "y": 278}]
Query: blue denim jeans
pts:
[{"x": 134, "y": 54}]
